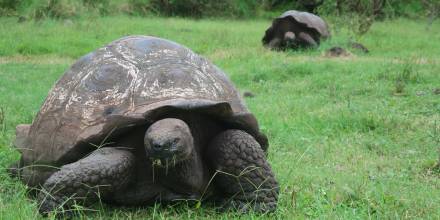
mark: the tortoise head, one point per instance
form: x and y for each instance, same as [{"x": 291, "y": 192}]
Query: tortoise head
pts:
[
  {"x": 168, "y": 142},
  {"x": 289, "y": 36}
]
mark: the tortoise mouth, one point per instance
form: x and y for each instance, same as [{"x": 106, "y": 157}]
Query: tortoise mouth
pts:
[
  {"x": 167, "y": 159},
  {"x": 168, "y": 142}
]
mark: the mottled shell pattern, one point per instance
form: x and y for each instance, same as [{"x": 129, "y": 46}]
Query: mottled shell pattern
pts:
[
  {"x": 309, "y": 19},
  {"x": 126, "y": 83}
]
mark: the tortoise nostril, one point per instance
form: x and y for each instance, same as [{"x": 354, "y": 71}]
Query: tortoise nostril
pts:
[{"x": 156, "y": 146}]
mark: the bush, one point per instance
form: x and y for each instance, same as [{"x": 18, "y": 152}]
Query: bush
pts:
[
  {"x": 101, "y": 6},
  {"x": 139, "y": 7},
  {"x": 215, "y": 8},
  {"x": 373, "y": 8},
  {"x": 10, "y": 4},
  {"x": 359, "y": 15},
  {"x": 203, "y": 8},
  {"x": 51, "y": 8},
  {"x": 9, "y": 7}
]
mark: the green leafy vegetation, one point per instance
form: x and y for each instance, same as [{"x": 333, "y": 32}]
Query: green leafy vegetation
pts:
[
  {"x": 353, "y": 137},
  {"x": 38, "y": 9}
]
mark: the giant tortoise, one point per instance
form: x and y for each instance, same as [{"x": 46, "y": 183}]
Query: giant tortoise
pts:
[
  {"x": 295, "y": 29},
  {"x": 144, "y": 120}
]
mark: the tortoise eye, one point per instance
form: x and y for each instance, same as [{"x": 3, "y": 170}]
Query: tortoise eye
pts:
[{"x": 175, "y": 141}]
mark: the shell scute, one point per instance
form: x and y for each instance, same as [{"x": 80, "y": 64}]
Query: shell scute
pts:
[{"x": 128, "y": 82}]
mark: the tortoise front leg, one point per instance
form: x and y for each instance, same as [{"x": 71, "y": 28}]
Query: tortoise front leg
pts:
[
  {"x": 274, "y": 43},
  {"x": 14, "y": 169},
  {"x": 308, "y": 40},
  {"x": 87, "y": 180},
  {"x": 243, "y": 173}
]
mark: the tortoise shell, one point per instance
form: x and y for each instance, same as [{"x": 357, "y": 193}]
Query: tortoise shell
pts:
[
  {"x": 310, "y": 20},
  {"x": 293, "y": 20},
  {"x": 129, "y": 82}
]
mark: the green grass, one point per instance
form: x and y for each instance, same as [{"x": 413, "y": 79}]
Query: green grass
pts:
[{"x": 351, "y": 138}]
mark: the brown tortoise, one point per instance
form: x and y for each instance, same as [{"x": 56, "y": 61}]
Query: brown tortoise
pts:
[
  {"x": 143, "y": 120},
  {"x": 295, "y": 29}
]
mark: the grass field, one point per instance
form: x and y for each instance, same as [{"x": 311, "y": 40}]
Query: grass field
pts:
[{"x": 350, "y": 138}]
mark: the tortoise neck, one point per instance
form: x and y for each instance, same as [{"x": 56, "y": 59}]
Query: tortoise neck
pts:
[{"x": 187, "y": 176}]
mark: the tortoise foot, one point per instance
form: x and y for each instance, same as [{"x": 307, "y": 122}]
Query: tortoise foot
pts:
[
  {"x": 243, "y": 174},
  {"x": 87, "y": 180}
]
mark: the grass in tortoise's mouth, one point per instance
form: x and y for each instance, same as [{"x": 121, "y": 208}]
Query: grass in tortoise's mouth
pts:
[
  {"x": 163, "y": 163},
  {"x": 167, "y": 159}
]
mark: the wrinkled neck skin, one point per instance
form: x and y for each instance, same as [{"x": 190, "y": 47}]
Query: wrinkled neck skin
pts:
[
  {"x": 190, "y": 176},
  {"x": 185, "y": 177}
]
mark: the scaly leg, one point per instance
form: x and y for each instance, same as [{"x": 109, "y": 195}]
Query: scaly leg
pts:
[
  {"x": 307, "y": 40},
  {"x": 243, "y": 174},
  {"x": 87, "y": 180}
]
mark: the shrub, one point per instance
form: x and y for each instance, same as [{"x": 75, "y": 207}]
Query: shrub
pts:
[
  {"x": 373, "y": 8},
  {"x": 139, "y": 7},
  {"x": 223, "y": 8},
  {"x": 9, "y": 7},
  {"x": 203, "y": 8},
  {"x": 56, "y": 8},
  {"x": 51, "y": 8},
  {"x": 101, "y": 6},
  {"x": 10, "y": 4}
]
